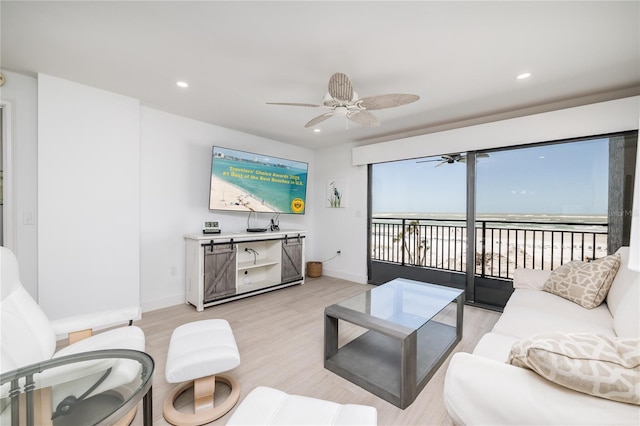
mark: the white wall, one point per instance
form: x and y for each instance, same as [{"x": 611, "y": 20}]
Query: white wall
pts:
[
  {"x": 88, "y": 198},
  {"x": 175, "y": 171},
  {"x": 95, "y": 142},
  {"x": 22, "y": 93},
  {"x": 343, "y": 229}
]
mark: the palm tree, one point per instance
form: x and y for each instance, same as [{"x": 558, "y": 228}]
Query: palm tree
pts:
[{"x": 413, "y": 243}]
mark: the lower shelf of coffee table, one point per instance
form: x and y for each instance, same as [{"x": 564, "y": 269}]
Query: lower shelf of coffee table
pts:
[{"x": 373, "y": 361}]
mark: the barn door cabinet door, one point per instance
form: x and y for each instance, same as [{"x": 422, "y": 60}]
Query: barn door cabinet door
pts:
[
  {"x": 219, "y": 271},
  {"x": 291, "y": 259}
]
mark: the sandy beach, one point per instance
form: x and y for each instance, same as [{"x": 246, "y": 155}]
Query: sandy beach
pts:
[{"x": 229, "y": 197}]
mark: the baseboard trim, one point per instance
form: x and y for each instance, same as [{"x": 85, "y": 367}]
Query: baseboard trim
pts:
[
  {"x": 360, "y": 279},
  {"x": 165, "y": 302}
]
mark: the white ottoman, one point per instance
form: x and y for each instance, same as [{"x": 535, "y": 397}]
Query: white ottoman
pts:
[
  {"x": 198, "y": 352},
  {"x": 267, "y": 406}
]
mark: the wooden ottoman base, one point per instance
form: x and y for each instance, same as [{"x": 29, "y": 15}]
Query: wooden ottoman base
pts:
[{"x": 203, "y": 396}]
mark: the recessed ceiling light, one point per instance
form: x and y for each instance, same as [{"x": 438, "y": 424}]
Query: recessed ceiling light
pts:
[
  {"x": 182, "y": 84},
  {"x": 316, "y": 130},
  {"x": 523, "y": 75}
]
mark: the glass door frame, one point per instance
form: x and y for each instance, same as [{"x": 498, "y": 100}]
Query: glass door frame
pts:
[{"x": 484, "y": 291}]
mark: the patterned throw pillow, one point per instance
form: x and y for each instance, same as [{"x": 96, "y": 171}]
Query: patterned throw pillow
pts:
[
  {"x": 603, "y": 366},
  {"x": 585, "y": 283}
]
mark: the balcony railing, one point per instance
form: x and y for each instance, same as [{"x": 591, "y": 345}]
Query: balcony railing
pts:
[{"x": 501, "y": 246}]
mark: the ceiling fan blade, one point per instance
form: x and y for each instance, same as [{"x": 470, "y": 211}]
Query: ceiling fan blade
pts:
[
  {"x": 340, "y": 87},
  {"x": 387, "y": 101},
  {"x": 364, "y": 118},
  {"x": 319, "y": 119},
  {"x": 292, "y": 104}
]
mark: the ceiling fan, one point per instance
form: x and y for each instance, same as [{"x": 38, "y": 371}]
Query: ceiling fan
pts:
[
  {"x": 452, "y": 158},
  {"x": 343, "y": 100}
]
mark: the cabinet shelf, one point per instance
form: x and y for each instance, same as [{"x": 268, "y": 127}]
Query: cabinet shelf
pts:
[{"x": 259, "y": 263}]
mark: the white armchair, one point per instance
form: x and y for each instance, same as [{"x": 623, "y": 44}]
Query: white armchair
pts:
[{"x": 28, "y": 336}]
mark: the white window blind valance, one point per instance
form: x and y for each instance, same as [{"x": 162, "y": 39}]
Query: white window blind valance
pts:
[{"x": 587, "y": 120}]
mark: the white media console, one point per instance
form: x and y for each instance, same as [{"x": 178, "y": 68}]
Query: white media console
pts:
[{"x": 229, "y": 266}]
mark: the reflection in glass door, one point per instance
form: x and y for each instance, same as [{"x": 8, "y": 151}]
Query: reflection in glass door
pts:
[{"x": 538, "y": 207}]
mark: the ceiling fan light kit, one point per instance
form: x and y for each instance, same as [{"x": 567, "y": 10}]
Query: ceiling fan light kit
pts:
[{"x": 341, "y": 99}]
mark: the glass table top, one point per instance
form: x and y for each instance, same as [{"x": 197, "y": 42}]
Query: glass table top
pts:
[
  {"x": 87, "y": 388},
  {"x": 402, "y": 302}
]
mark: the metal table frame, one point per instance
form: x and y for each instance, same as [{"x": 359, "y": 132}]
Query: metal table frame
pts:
[{"x": 371, "y": 360}]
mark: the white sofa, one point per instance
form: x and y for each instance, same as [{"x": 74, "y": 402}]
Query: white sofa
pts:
[
  {"x": 267, "y": 406},
  {"x": 481, "y": 388}
]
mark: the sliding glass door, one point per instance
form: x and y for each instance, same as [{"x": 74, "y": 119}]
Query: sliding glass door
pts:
[
  {"x": 538, "y": 207},
  {"x": 468, "y": 220},
  {"x": 417, "y": 220}
]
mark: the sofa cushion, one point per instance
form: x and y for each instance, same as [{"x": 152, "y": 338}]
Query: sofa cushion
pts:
[
  {"x": 621, "y": 283},
  {"x": 585, "y": 283},
  {"x": 481, "y": 391},
  {"x": 530, "y": 312},
  {"x": 626, "y": 322},
  {"x": 495, "y": 346},
  {"x": 530, "y": 278},
  {"x": 586, "y": 362}
]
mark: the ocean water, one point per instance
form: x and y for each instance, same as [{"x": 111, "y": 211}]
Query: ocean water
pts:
[
  {"x": 275, "y": 186},
  {"x": 542, "y": 219}
]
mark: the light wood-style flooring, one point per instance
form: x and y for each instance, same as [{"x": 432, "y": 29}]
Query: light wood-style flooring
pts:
[{"x": 280, "y": 339}]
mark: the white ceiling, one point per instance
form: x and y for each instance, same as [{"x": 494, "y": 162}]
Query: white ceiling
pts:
[{"x": 461, "y": 58}]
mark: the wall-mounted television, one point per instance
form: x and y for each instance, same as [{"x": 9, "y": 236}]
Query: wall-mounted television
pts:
[{"x": 249, "y": 182}]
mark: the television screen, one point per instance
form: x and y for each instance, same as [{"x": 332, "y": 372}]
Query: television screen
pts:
[{"x": 248, "y": 182}]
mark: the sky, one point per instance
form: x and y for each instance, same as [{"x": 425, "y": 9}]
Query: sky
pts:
[
  {"x": 261, "y": 157},
  {"x": 568, "y": 178}
]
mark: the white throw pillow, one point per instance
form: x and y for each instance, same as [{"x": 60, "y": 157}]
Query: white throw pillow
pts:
[
  {"x": 533, "y": 279},
  {"x": 599, "y": 365},
  {"x": 585, "y": 283}
]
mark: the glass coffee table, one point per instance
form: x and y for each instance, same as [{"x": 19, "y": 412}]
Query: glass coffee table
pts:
[
  {"x": 407, "y": 329},
  {"x": 26, "y": 394}
]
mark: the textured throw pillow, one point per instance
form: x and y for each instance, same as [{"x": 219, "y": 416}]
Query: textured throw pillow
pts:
[
  {"x": 585, "y": 283},
  {"x": 603, "y": 366}
]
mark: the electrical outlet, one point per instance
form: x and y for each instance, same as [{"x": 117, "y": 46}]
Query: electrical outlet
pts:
[{"x": 28, "y": 218}]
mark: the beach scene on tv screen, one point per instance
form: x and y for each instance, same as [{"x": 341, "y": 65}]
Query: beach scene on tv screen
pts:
[{"x": 244, "y": 181}]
